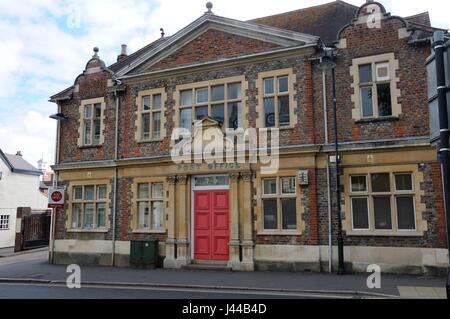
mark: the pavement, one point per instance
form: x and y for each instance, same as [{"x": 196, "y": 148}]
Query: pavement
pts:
[{"x": 32, "y": 270}]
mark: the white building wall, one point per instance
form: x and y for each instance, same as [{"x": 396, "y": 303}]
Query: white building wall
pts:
[{"x": 17, "y": 190}]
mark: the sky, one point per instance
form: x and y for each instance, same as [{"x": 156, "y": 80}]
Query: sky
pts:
[{"x": 45, "y": 45}]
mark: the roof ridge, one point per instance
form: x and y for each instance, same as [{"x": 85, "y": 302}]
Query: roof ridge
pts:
[
  {"x": 306, "y": 8},
  {"x": 138, "y": 51},
  {"x": 425, "y": 26},
  {"x": 417, "y": 15}
]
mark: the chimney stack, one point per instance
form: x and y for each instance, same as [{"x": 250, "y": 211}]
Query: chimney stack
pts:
[
  {"x": 19, "y": 153},
  {"x": 123, "y": 54}
]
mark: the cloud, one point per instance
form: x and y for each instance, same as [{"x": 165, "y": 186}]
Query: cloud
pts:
[
  {"x": 45, "y": 44},
  {"x": 33, "y": 134}
]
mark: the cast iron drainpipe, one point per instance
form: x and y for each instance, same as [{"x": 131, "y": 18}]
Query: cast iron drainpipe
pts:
[
  {"x": 444, "y": 151},
  {"x": 116, "y": 156}
]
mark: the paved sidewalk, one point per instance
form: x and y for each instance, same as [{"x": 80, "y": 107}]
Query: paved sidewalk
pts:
[{"x": 36, "y": 269}]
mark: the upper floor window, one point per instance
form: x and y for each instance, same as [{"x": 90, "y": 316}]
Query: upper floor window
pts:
[
  {"x": 375, "y": 88},
  {"x": 218, "y": 99},
  {"x": 150, "y": 115},
  {"x": 279, "y": 204},
  {"x": 4, "y": 222},
  {"x": 91, "y": 123},
  {"x": 375, "y": 92},
  {"x": 88, "y": 207},
  {"x": 276, "y": 99},
  {"x": 383, "y": 202}
]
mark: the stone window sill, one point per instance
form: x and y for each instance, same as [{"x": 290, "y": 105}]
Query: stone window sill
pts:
[
  {"x": 89, "y": 147},
  {"x": 281, "y": 128},
  {"x": 149, "y": 232},
  {"x": 384, "y": 234},
  {"x": 378, "y": 119},
  {"x": 279, "y": 233},
  {"x": 158, "y": 140},
  {"x": 94, "y": 231}
]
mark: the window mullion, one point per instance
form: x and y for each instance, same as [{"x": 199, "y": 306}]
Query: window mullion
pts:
[
  {"x": 92, "y": 129},
  {"x": 374, "y": 91},
  {"x": 276, "y": 107},
  {"x": 94, "y": 218},
  {"x": 209, "y": 100},
  {"x": 226, "y": 105},
  {"x": 394, "y": 218},
  {"x": 81, "y": 216},
  {"x": 150, "y": 214}
]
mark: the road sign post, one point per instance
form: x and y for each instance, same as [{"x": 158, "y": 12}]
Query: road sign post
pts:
[{"x": 56, "y": 198}]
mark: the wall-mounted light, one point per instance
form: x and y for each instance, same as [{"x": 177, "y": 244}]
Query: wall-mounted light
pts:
[{"x": 59, "y": 117}]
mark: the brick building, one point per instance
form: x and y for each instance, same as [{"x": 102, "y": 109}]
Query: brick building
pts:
[{"x": 114, "y": 149}]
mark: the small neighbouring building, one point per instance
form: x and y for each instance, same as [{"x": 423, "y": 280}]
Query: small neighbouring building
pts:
[
  {"x": 19, "y": 187},
  {"x": 115, "y": 152}
]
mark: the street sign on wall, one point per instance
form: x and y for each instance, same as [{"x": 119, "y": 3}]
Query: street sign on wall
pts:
[
  {"x": 433, "y": 93},
  {"x": 56, "y": 198}
]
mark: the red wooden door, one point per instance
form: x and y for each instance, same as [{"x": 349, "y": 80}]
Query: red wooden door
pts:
[{"x": 211, "y": 225}]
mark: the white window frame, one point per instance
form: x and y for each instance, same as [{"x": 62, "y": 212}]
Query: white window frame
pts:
[
  {"x": 276, "y": 95},
  {"x": 393, "y": 195},
  {"x": 83, "y": 121},
  {"x": 91, "y": 120},
  {"x": 278, "y": 196},
  {"x": 150, "y": 200},
  {"x": 83, "y": 202},
  {"x": 394, "y": 81},
  {"x": 374, "y": 86},
  {"x": 292, "y": 92},
  {"x": 5, "y": 222},
  {"x": 226, "y": 102},
  {"x": 151, "y": 112}
]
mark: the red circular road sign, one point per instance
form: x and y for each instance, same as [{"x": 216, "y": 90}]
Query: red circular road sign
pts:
[{"x": 57, "y": 196}]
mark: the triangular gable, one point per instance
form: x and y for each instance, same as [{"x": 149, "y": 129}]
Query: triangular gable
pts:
[
  {"x": 264, "y": 37},
  {"x": 213, "y": 45}
]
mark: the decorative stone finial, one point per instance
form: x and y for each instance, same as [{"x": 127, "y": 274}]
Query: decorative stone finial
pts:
[
  {"x": 209, "y": 6},
  {"x": 96, "y": 50},
  {"x": 162, "y": 32}
]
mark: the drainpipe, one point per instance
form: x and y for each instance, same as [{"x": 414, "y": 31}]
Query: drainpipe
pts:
[
  {"x": 116, "y": 157},
  {"x": 444, "y": 146},
  {"x": 330, "y": 223}
]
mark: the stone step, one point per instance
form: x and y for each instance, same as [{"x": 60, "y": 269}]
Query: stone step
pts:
[{"x": 206, "y": 266}]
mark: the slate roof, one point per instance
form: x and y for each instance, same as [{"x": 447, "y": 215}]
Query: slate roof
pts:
[
  {"x": 324, "y": 20},
  {"x": 18, "y": 165},
  {"x": 328, "y": 19}
]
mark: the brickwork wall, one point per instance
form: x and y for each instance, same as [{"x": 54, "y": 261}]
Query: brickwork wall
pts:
[{"x": 213, "y": 45}]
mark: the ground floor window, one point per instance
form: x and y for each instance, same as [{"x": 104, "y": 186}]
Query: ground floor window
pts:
[
  {"x": 150, "y": 206},
  {"x": 89, "y": 206},
  {"x": 279, "y": 203},
  {"x": 383, "y": 202},
  {"x": 4, "y": 222}
]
